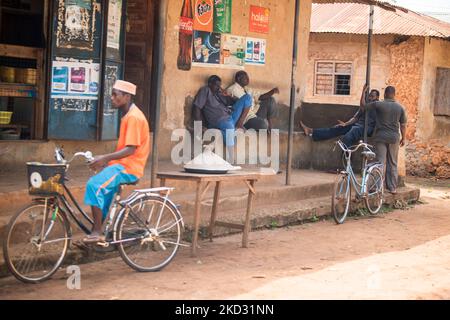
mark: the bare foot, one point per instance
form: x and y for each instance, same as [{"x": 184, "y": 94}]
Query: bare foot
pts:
[{"x": 308, "y": 131}]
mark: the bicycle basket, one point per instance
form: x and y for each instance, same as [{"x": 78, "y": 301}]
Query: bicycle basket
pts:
[{"x": 45, "y": 179}]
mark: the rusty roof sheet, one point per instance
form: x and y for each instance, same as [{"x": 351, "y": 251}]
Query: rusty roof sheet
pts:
[{"x": 353, "y": 18}]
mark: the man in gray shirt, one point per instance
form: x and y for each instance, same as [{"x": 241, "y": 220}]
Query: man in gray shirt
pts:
[
  {"x": 221, "y": 111},
  {"x": 391, "y": 121}
]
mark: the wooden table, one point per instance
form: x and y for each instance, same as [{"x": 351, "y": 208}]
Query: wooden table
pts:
[{"x": 249, "y": 178}]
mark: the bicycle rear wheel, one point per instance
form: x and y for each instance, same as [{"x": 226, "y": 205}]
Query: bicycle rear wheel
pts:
[
  {"x": 375, "y": 188},
  {"x": 28, "y": 257},
  {"x": 340, "y": 201},
  {"x": 149, "y": 234}
]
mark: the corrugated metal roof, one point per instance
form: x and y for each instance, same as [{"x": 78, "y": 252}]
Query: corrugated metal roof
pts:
[{"x": 353, "y": 18}]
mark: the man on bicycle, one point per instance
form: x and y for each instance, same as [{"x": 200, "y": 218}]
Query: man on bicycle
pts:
[{"x": 125, "y": 165}]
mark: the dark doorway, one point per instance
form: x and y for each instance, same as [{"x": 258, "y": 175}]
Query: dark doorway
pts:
[{"x": 139, "y": 51}]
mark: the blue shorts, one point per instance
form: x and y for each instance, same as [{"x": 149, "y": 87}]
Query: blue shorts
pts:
[{"x": 101, "y": 188}]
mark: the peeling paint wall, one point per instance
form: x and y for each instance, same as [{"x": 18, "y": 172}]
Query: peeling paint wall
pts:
[
  {"x": 179, "y": 87},
  {"x": 406, "y": 76},
  {"x": 428, "y": 153},
  {"x": 436, "y": 54}
]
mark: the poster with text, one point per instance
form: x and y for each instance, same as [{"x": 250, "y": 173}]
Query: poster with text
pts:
[
  {"x": 259, "y": 19},
  {"x": 255, "y": 52},
  {"x": 114, "y": 23},
  {"x": 222, "y": 16},
  {"x": 206, "y": 47},
  {"x": 233, "y": 50},
  {"x": 75, "y": 80},
  {"x": 203, "y": 15}
]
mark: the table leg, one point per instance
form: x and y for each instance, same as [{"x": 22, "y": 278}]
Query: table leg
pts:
[
  {"x": 214, "y": 210},
  {"x": 247, "y": 227},
  {"x": 196, "y": 219}
]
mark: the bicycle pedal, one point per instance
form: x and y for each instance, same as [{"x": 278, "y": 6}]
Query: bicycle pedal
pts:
[{"x": 103, "y": 244}]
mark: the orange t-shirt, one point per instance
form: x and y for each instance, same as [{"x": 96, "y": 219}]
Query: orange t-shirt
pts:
[{"x": 134, "y": 131}]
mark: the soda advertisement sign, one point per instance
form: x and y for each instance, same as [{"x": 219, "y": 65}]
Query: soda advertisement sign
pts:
[
  {"x": 222, "y": 16},
  {"x": 185, "y": 36},
  {"x": 259, "y": 19},
  {"x": 233, "y": 50},
  {"x": 206, "y": 47},
  {"x": 204, "y": 15},
  {"x": 255, "y": 52}
]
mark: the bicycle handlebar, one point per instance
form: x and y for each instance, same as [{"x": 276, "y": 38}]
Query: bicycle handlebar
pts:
[
  {"x": 351, "y": 150},
  {"x": 59, "y": 155}
]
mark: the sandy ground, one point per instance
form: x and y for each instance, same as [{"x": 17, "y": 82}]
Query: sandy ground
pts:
[{"x": 403, "y": 254}]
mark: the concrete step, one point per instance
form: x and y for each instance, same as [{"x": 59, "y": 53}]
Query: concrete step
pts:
[
  {"x": 233, "y": 200},
  {"x": 296, "y": 212},
  {"x": 266, "y": 216}
]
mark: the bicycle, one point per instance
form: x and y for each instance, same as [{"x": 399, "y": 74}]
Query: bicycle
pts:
[
  {"x": 370, "y": 189},
  {"x": 145, "y": 228}
]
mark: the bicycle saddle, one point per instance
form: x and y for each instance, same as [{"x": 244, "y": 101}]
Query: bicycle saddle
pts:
[
  {"x": 130, "y": 183},
  {"x": 369, "y": 154}
]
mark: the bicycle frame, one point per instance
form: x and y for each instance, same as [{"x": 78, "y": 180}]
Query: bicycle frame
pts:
[{"x": 360, "y": 188}]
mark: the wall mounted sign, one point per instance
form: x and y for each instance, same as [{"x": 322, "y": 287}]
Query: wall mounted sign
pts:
[
  {"x": 222, "y": 16},
  {"x": 203, "y": 15},
  {"x": 76, "y": 24},
  {"x": 75, "y": 80},
  {"x": 259, "y": 19},
  {"x": 233, "y": 50},
  {"x": 255, "y": 51},
  {"x": 114, "y": 24},
  {"x": 206, "y": 47}
]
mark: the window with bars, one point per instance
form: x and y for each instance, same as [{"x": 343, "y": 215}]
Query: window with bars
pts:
[{"x": 333, "y": 78}]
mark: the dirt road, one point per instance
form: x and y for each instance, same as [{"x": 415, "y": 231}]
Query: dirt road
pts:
[{"x": 404, "y": 254}]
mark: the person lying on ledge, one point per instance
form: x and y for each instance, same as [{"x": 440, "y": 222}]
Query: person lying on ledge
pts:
[{"x": 353, "y": 129}]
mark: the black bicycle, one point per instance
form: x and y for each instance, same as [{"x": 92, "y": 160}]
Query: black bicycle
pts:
[{"x": 145, "y": 228}]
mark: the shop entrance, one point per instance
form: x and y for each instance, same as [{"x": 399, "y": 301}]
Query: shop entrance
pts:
[
  {"x": 23, "y": 25},
  {"x": 139, "y": 51}
]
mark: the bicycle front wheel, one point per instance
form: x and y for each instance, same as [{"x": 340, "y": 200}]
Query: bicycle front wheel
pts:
[
  {"x": 36, "y": 242},
  {"x": 149, "y": 234},
  {"x": 374, "y": 190},
  {"x": 340, "y": 201}
]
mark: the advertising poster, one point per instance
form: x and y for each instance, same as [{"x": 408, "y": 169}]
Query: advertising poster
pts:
[
  {"x": 74, "y": 80},
  {"x": 76, "y": 24},
  {"x": 206, "y": 47},
  {"x": 255, "y": 52},
  {"x": 114, "y": 23},
  {"x": 203, "y": 15},
  {"x": 259, "y": 19},
  {"x": 222, "y": 16},
  {"x": 233, "y": 50}
]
